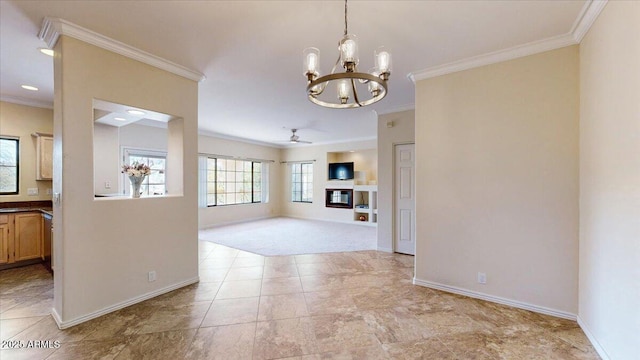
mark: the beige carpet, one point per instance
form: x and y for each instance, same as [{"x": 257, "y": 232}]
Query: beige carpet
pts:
[{"x": 288, "y": 236}]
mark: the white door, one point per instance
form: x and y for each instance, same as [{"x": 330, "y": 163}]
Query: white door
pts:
[{"x": 405, "y": 204}]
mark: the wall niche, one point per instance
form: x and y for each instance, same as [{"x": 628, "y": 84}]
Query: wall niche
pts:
[{"x": 124, "y": 134}]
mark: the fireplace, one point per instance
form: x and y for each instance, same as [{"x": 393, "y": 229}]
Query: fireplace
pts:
[{"x": 339, "y": 198}]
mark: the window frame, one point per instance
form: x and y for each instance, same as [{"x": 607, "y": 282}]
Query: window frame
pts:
[
  {"x": 17, "y": 141},
  {"x": 303, "y": 188},
  {"x": 254, "y": 198}
]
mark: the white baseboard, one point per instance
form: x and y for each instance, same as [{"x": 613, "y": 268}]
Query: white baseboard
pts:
[
  {"x": 596, "y": 345},
  {"x": 384, "y": 249},
  {"x": 56, "y": 317},
  {"x": 67, "y": 324},
  {"x": 350, "y": 222},
  {"x": 496, "y": 299},
  {"x": 212, "y": 226}
]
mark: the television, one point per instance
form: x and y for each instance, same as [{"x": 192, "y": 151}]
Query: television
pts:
[{"x": 341, "y": 171}]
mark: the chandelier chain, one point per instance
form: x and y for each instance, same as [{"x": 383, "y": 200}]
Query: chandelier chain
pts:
[{"x": 345, "y": 17}]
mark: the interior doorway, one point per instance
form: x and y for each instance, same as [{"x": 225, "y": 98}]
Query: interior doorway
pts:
[{"x": 404, "y": 237}]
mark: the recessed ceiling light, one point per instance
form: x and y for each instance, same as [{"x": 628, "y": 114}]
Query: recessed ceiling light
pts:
[
  {"x": 46, "y": 51},
  {"x": 119, "y": 119},
  {"x": 135, "y": 112},
  {"x": 29, "y": 87}
]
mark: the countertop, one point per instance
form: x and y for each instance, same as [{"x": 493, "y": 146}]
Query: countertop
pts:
[{"x": 44, "y": 210}]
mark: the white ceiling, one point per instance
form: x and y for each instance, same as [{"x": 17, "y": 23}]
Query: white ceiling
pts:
[{"x": 251, "y": 51}]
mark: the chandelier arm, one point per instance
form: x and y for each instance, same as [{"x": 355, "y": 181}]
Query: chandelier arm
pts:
[
  {"x": 333, "y": 70},
  {"x": 313, "y": 97},
  {"x": 335, "y": 66},
  {"x": 355, "y": 93}
]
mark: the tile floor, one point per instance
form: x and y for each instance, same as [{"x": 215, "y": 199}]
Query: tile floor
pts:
[{"x": 358, "y": 305}]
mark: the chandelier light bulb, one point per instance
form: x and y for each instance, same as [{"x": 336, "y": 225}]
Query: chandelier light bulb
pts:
[
  {"x": 349, "y": 52},
  {"x": 383, "y": 62},
  {"x": 374, "y": 87},
  {"x": 343, "y": 91},
  {"x": 311, "y": 62}
]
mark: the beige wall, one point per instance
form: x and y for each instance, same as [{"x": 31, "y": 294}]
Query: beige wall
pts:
[
  {"x": 106, "y": 159},
  {"x": 402, "y": 132},
  {"x": 317, "y": 209},
  {"x": 497, "y": 180},
  {"x": 610, "y": 181},
  {"x": 217, "y": 215},
  {"x": 22, "y": 121},
  {"x": 104, "y": 249}
]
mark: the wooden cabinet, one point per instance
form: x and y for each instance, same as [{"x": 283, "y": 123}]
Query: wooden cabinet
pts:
[
  {"x": 44, "y": 156},
  {"x": 28, "y": 236},
  {"x": 20, "y": 237},
  {"x": 5, "y": 250}
]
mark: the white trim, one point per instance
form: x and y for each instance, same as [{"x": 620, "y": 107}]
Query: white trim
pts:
[
  {"x": 343, "y": 141},
  {"x": 52, "y": 28},
  {"x": 215, "y": 135},
  {"x": 67, "y": 324},
  {"x": 586, "y": 18},
  {"x": 28, "y": 102},
  {"x": 596, "y": 345},
  {"x": 494, "y": 57},
  {"x": 56, "y": 317},
  {"x": 581, "y": 25},
  {"x": 348, "y": 222},
  {"x": 384, "y": 249},
  {"x": 495, "y": 299},
  {"x": 213, "y": 226},
  {"x": 286, "y": 145}
]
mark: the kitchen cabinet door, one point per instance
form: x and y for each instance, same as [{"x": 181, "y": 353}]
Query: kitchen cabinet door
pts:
[
  {"x": 28, "y": 236},
  {"x": 4, "y": 243},
  {"x": 44, "y": 157}
]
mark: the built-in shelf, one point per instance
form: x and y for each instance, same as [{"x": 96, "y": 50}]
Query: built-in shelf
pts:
[{"x": 365, "y": 200}]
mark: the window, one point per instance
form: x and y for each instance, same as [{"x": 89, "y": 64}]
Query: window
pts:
[
  {"x": 232, "y": 181},
  {"x": 9, "y": 165},
  {"x": 302, "y": 182},
  {"x": 155, "y": 183}
]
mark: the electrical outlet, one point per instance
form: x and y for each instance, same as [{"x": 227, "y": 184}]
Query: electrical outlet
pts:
[
  {"x": 482, "y": 278},
  {"x": 32, "y": 191},
  {"x": 152, "y": 276},
  {"x": 107, "y": 184}
]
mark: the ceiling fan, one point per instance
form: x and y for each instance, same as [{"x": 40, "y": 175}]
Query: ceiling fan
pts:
[{"x": 295, "y": 139}]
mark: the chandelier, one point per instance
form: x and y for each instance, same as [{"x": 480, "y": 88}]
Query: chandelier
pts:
[{"x": 346, "y": 84}]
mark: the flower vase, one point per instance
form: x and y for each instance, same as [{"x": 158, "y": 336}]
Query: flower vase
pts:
[{"x": 136, "y": 182}]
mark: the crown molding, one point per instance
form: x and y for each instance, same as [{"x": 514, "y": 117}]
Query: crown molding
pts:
[
  {"x": 586, "y": 18},
  {"x": 343, "y": 141},
  {"x": 52, "y": 28},
  {"x": 28, "y": 102},
  {"x": 216, "y": 135},
  {"x": 494, "y": 57},
  {"x": 581, "y": 25}
]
